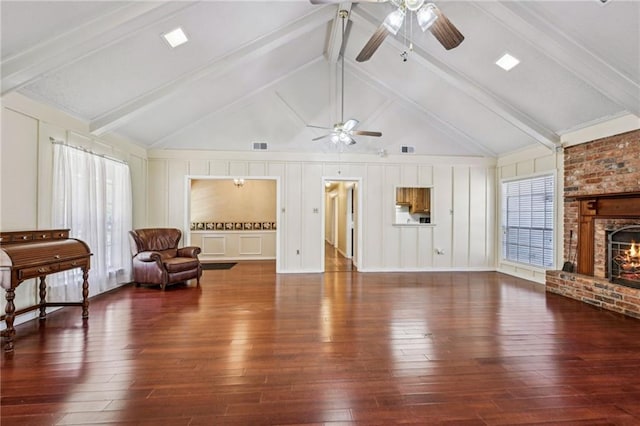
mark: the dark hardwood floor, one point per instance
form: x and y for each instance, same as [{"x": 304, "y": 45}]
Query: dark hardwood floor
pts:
[{"x": 250, "y": 347}]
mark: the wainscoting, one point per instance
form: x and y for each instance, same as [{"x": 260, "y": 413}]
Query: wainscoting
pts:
[{"x": 235, "y": 245}]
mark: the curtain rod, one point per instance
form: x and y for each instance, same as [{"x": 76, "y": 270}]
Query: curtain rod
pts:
[{"x": 88, "y": 151}]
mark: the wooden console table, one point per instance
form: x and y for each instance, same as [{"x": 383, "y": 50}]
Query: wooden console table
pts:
[{"x": 36, "y": 254}]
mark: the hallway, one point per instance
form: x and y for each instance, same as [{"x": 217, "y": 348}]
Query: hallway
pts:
[{"x": 334, "y": 261}]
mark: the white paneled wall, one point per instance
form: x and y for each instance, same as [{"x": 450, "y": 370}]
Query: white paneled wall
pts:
[
  {"x": 461, "y": 217},
  {"x": 290, "y": 221},
  {"x": 391, "y": 236},
  {"x": 312, "y": 197},
  {"x": 19, "y": 190},
  {"x": 463, "y": 228},
  {"x": 19, "y": 183},
  {"x": 442, "y": 215},
  {"x": 481, "y": 221},
  {"x": 158, "y": 193},
  {"x": 199, "y": 168},
  {"x": 373, "y": 215}
]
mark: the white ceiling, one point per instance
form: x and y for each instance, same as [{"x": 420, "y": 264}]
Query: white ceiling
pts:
[{"x": 263, "y": 70}]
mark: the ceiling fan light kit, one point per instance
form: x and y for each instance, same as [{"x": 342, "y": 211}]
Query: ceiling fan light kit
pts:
[
  {"x": 394, "y": 20},
  {"x": 426, "y": 16},
  {"x": 413, "y": 5}
]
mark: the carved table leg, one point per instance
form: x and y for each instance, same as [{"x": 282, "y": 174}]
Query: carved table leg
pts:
[
  {"x": 43, "y": 298},
  {"x": 9, "y": 316},
  {"x": 85, "y": 293}
]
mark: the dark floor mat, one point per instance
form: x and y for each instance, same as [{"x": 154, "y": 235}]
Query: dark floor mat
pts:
[{"x": 209, "y": 266}]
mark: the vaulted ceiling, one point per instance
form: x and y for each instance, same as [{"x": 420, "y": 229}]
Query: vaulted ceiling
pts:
[{"x": 260, "y": 71}]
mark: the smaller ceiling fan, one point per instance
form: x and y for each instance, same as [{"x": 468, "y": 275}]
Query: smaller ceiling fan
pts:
[
  {"x": 343, "y": 131},
  {"x": 428, "y": 15}
]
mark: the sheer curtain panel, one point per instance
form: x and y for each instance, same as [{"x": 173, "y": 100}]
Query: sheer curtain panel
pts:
[{"x": 92, "y": 197}]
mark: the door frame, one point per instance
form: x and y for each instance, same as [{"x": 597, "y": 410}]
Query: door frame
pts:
[
  {"x": 350, "y": 224},
  {"x": 357, "y": 258}
]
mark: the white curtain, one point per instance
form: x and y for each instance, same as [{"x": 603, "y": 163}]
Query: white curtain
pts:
[{"x": 92, "y": 198}]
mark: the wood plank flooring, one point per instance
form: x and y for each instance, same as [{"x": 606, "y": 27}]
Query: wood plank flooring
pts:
[
  {"x": 334, "y": 261},
  {"x": 250, "y": 347}
]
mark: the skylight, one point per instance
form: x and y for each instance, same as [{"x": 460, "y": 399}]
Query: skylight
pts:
[
  {"x": 175, "y": 37},
  {"x": 507, "y": 62}
]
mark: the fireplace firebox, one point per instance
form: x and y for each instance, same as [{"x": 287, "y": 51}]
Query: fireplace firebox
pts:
[{"x": 623, "y": 256}]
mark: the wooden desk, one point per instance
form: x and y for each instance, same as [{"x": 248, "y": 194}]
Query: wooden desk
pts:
[{"x": 36, "y": 254}]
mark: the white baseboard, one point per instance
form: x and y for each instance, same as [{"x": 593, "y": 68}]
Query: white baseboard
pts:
[{"x": 430, "y": 269}]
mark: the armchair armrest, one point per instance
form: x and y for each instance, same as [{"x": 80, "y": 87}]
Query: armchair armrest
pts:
[
  {"x": 148, "y": 256},
  {"x": 189, "y": 251}
]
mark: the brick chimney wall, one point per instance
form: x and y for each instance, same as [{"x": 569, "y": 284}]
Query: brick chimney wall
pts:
[{"x": 604, "y": 166}]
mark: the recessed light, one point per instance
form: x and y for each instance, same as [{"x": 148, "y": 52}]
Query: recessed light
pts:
[
  {"x": 175, "y": 37},
  {"x": 507, "y": 62}
]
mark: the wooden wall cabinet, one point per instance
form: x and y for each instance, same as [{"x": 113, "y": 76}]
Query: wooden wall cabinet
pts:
[
  {"x": 418, "y": 199},
  {"x": 403, "y": 196}
]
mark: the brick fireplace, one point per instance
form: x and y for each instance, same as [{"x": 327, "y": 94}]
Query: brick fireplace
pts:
[{"x": 602, "y": 195}]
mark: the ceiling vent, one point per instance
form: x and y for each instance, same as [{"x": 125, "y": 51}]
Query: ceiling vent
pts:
[
  {"x": 259, "y": 146},
  {"x": 407, "y": 149}
]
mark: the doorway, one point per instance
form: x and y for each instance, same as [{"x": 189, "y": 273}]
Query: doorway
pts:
[
  {"x": 341, "y": 232},
  {"x": 233, "y": 218}
]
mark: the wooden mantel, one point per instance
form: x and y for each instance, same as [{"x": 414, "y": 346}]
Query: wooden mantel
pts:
[{"x": 602, "y": 206}]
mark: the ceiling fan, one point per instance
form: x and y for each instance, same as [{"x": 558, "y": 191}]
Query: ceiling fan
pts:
[
  {"x": 344, "y": 131},
  {"x": 429, "y": 18}
]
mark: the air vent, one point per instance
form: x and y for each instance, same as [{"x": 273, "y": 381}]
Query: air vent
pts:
[
  {"x": 259, "y": 146},
  {"x": 408, "y": 149}
]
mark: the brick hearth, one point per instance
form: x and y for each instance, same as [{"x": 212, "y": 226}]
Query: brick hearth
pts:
[
  {"x": 597, "y": 169},
  {"x": 595, "y": 291}
]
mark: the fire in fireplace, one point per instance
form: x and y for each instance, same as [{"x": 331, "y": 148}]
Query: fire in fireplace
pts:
[{"x": 623, "y": 255}]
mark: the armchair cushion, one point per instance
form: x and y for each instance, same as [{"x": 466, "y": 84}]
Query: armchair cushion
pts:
[
  {"x": 157, "y": 259},
  {"x": 180, "y": 264}
]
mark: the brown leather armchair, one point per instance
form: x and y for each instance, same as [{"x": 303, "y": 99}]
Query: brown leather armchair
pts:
[{"x": 158, "y": 260}]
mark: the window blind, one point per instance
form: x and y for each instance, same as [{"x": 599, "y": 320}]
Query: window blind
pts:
[{"x": 528, "y": 221}]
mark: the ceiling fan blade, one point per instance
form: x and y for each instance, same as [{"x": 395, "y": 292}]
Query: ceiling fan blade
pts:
[
  {"x": 446, "y": 33},
  {"x": 350, "y": 124},
  {"x": 322, "y": 137},
  {"x": 319, "y": 127},
  {"x": 372, "y": 45},
  {"x": 367, "y": 133}
]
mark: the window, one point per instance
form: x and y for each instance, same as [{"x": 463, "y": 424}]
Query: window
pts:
[
  {"x": 92, "y": 197},
  {"x": 528, "y": 221}
]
